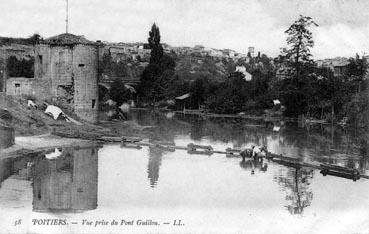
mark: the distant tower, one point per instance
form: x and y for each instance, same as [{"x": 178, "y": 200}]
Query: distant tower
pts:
[{"x": 251, "y": 51}]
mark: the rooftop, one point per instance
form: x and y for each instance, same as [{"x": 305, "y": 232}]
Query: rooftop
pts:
[{"x": 68, "y": 39}]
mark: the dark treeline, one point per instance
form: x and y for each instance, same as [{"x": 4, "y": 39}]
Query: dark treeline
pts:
[
  {"x": 31, "y": 40},
  {"x": 20, "y": 67},
  {"x": 23, "y": 67},
  {"x": 304, "y": 88}
]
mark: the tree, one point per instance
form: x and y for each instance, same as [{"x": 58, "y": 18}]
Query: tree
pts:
[
  {"x": 20, "y": 68},
  {"x": 296, "y": 92},
  {"x": 198, "y": 91},
  {"x": 357, "y": 69},
  {"x": 105, "y": 65},
  {"x": 230, "y": 96},
  {"x": 120, "y": 92},
  {"x": 159, "y": 73},
  {"x": 155, "y": 46},
  {"x": 300, "y": 40},
  {"x": 35, "y": 38}
]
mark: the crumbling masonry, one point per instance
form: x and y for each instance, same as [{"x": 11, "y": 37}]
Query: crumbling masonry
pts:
[{"x": 67, "y": 66}]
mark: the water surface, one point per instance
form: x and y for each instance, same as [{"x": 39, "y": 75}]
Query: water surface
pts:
[{"x": 209, "y": 194}]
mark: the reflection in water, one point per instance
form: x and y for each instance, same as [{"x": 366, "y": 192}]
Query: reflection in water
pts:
[
  {"x": 252, "y": 164},
  {"x": 153, "y": 166},
  {"x": 19, "y": 167},
  {"x": 319, "y": 143},
  {"x": 295, "y": 182},
  {"x": 6, "y": 137},
  {"x": 316, "y": 143},
  {"x": 67, "y": 183}
]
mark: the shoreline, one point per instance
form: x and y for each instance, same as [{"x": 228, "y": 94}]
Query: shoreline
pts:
[
  {"x": 237, "y": 116},
  {"x": 34, "y": 144},
  {"x": 61, "y": 134}
]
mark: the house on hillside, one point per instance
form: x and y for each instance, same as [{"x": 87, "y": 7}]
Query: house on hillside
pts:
[
  {"x": 228, "y": 53},
  {"x": 198, "y": 48},
  {"x": 339, "y": 68},
  {"x": 338, "y": 65}
]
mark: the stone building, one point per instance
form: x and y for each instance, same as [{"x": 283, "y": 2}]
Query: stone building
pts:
[
  {"x": 66, "y": 66},
  {"x": 19, "y": 85}
]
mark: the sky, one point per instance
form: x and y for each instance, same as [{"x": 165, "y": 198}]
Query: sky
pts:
[{"x": 235, "y": 24}]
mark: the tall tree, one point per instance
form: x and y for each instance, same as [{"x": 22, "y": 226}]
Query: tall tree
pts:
[
  {"x": 155, "y": 46},
  {"x": 159, "y": 73},
  {"x": 300, "y": 41}
]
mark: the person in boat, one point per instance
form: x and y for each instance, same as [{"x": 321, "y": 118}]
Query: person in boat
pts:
[
  {"x": 259, "y": 152},
  {"x": 254, "y": 152}
]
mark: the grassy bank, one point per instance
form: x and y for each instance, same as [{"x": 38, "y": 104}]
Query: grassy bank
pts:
[{"x": 29, "y": 121}]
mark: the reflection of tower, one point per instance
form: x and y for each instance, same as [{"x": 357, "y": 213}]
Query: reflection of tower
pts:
[
  {"x": 67, "y": 183},
  {"x": 6, "y": 136},
  {"x": 5, "y": 169},
  {"x": 296, "y": 184},
  {"x": 19, "y": 166},
  {"x": 153, "y": 167}
]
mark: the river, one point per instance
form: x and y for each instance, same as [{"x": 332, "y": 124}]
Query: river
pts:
[{"x": 201, "y": 193}]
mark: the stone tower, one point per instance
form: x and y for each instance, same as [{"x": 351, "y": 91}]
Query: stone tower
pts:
[{"x": 66, "y": 66}]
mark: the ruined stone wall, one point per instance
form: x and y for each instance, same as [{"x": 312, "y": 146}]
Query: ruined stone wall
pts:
[
  {"x": 61, "y": 68},
  {"x": 42, "y": 61},
  {"x": 17, "y": 50},
  {"x": 85, "y": 68},
  {"x": 63, "y": 71},
  {"x": 17, "y": 86},
  {"x": 53, "y": 67}
]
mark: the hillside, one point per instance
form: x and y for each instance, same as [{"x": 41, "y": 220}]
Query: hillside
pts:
[
  {"x": 188, "y": 67},
  {"x": 33, "y": 121},
  {"x": 28, "y": 121}
]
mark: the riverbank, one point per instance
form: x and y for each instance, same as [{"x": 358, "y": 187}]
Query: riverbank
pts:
[
  {"x": 33, "y": 144},
  {"x": 35, "y": 131}
]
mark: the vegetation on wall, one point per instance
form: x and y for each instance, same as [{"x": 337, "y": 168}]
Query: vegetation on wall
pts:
[
  {"x": 32, "y": 40},
  {"x": 20, "y": 68}
]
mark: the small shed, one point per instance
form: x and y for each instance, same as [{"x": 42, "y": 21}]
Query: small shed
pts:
[{"x": 182, "y": 101}]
